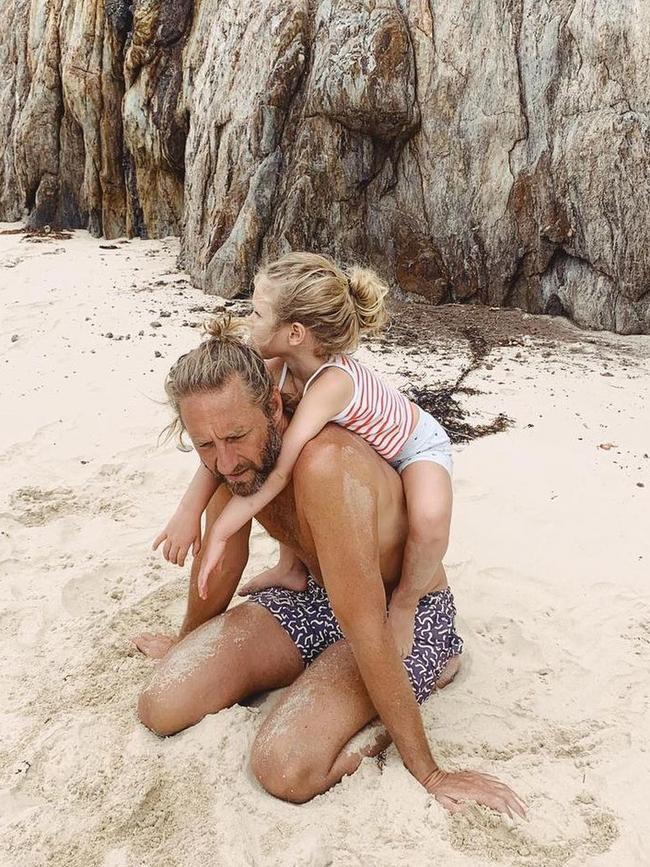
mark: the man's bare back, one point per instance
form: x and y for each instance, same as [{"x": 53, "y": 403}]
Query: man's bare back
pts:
[{"x": 365, "y": 475}]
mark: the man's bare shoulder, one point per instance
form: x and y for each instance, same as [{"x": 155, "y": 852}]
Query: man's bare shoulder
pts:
[{"x": 336, "y": 454}]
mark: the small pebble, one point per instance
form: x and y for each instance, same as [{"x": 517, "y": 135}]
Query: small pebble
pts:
[{"x": 14, "y": 338}]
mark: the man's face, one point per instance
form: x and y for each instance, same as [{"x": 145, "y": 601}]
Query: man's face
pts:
[{"x": 233, "y": 436}]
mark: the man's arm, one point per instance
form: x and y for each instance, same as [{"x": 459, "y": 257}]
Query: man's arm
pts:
[
  {"x": 339, "y": 498},
  {"x": 338, "y": 493},
  {"x": 222, "y": 584}
]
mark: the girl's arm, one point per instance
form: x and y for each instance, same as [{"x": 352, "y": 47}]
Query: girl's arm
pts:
[
  {"x": 184, "y": 527},
  {"x": 328, "y": 395},
  {"x": 200, "y": 491}
]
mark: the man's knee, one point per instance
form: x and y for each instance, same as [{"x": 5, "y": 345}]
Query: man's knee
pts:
[
  {"x": 283, "y": 770},
  {"x": 155, "y": 713}
]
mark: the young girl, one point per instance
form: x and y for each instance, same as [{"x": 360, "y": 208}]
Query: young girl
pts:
[{"x": 307, "y": 317}]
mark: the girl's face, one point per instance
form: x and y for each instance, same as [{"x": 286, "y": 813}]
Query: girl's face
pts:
[{"x": 269, "y": 338}]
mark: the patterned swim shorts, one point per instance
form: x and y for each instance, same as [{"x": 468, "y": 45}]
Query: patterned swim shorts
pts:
[{"x": 308, "y": 619}]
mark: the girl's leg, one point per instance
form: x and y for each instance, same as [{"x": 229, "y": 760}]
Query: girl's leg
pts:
[
  {"x": 290, "y": 572},
  {"x": 428, "y": 491}
]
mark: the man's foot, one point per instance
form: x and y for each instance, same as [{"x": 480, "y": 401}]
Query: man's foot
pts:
[
  {"x": 154, "y": 646},
  {"x": 448, "y": 673},
  {"x": 294, "y": 578}
]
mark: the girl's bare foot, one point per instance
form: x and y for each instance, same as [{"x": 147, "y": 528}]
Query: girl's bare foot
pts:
[
  {"x": 448, "y": 673},
  {"x": 293, "y": 578}
]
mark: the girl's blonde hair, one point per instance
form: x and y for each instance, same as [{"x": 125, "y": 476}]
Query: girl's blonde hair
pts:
[
  {"x": 221, "y": 355},
  {"x": 337, "y": 305}
]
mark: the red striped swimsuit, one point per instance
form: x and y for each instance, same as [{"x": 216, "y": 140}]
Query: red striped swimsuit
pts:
[{"x": 378, "y": 412}]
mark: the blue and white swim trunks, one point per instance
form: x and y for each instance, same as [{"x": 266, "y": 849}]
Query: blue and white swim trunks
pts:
[{"x": 308, "y": 619}]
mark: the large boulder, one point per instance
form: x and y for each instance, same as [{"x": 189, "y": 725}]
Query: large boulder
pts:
[{"x": 492, "y": 152}]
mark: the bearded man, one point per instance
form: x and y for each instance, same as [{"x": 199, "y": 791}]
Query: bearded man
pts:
[{"x": 344, "y": 516}]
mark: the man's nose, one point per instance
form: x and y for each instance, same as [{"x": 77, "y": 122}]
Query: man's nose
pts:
[{"x": 226, "y": 459}]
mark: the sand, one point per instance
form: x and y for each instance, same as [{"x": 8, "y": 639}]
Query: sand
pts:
[{"x": 549, "y": 562}]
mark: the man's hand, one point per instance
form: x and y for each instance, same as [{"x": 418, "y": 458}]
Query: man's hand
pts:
[
  {"x": 183, "y": 531},
  {"x": 154, "y": 646},
  {"x": 454, "y": 789},
  {"x": 213, "y": 554}
]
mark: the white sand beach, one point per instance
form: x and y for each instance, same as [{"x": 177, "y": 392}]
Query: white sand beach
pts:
[{"x": 549, "y": 563}]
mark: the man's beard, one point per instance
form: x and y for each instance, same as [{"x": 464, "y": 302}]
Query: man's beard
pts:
[{"x": 261, "y": 473}]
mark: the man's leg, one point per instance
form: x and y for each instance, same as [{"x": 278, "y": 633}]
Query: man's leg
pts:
[
  {"x": 308, "y": 742},
  {"x": 232, "y": 656}
]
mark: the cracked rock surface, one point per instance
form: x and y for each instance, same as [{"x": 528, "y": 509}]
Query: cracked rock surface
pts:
[{"x": 490, "y": 152}]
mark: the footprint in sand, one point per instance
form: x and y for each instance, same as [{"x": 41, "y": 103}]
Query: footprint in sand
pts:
[
  {"x": 31, "y": 628},
  {"x": 33, "y": 506},
  {"x": 14, "y": 805},
  {"x": 575, "y": 743},
  {"x": 639, "y": 635},
  {"x": 81, "y": 595},
  {"x": 11, "y": 261},
  {"x": 7, "y": 547},
  {"x": 568, "y": 831},
  {"x": 98, "y": 590},
  {"x": 25, "y": 627},
  {"x": 557, "y": 831},
  {"x": 467, "y": 489}
]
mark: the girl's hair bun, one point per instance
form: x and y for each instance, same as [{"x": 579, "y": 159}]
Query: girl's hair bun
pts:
[{"x": 368, "y": 296}]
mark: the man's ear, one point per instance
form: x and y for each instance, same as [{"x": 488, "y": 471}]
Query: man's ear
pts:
[
  {"x": 277, "y": 406},
  {"x": 297, "y": 334}
]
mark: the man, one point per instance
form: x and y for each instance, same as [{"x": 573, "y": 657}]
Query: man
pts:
[{"x": 345, "y": 518}]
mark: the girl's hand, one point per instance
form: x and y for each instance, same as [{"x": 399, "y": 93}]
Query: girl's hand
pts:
[
  {"x": 183, "y": 531},
  {"x": 213, "y": 554}
]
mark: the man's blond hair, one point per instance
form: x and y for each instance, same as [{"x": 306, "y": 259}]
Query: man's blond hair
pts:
[{"x": 220, "y": 356}]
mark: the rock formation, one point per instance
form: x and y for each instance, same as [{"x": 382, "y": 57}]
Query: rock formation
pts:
[{"x": 494, "y": 152}]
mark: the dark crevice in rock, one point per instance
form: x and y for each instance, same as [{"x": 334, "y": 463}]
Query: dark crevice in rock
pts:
[
  {"x": 518, "y": 24},
  {"x": 138, "y": 226},
  {"x": 119, "y": 14}
]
